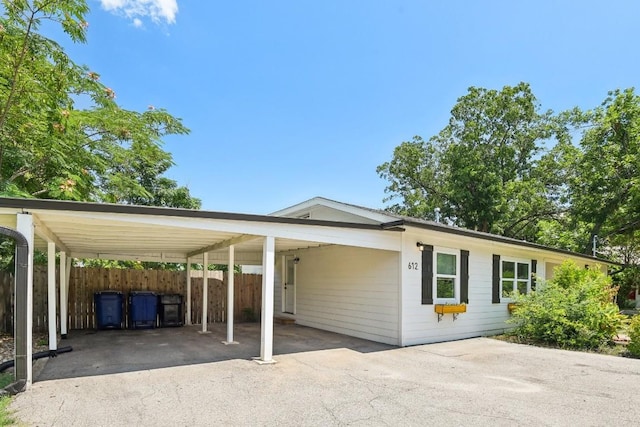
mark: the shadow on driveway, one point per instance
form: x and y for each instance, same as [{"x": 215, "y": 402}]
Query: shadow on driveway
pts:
[{"x": 117, "y": 351}]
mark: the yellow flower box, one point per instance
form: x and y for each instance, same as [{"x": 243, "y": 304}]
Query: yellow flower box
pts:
[
  {"x": 450, "y": 308},
  {"x": 454, "y": 309}
]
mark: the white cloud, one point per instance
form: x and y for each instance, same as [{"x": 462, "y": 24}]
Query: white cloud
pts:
[{"x": 157, "y": 10}]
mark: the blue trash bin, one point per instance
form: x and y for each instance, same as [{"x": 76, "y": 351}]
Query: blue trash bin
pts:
[
  {"x": 109, "y": 312},
  {"x": 143, "y": 310}
]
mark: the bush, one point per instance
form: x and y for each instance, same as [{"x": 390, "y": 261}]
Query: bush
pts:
[
  {"x": 627, "y": 280},
  {"x": 573, "y": 310},
  {"x": 634, "y": 334}
]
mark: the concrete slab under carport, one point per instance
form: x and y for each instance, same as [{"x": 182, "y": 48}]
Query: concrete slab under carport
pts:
[{"x": 106, "y": 352}]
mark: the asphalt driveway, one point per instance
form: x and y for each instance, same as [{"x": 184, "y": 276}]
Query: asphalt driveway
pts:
[{"x": 472, "y": 382}]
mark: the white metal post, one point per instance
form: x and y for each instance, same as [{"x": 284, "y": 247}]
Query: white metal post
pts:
[
  {"x": 188, "y": 319},
  {"x": 230, "y": 296},
  {"x": 67, "y": 276},
  {"x": 268, "y": 279},
  {"x": 51, "y": 295},
  {"x": 64, "y": 300},
  {"x": 24, "y": 225},
  {"x": 205, "y": 291}
]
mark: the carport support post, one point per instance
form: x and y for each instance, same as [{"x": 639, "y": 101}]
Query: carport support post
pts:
[
  {"x": 24, "y": 225},
  {"x": 230, "y": 297},
  {"x": 64, "y": 291},
  {"x": 188, "y": 319},
  {"x": 205, "y": 291},
  {"x": 51, "y": 296},
  {"x": 268, "y": 273}
]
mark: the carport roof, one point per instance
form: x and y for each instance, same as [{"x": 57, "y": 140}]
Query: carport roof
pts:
[{"x": 112, "y": 231}]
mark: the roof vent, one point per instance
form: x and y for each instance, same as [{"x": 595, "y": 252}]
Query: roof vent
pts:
[{"x": 437, "y": 212}]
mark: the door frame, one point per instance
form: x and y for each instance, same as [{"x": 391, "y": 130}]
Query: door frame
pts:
[{"x": 285, "y": 260}]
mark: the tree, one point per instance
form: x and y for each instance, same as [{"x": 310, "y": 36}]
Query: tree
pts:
[
  {"x": 604, "y": 190},
  {"x": 480, "y": 169},
  {"x": 51, "y": 149}
]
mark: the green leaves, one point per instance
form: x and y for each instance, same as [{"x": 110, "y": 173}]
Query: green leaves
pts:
[
  {"x": 574, "y": 310},
  {"x": 604, "y": 189},
  {"x": 479, "y": 169},
  {"x": 634, "y": 334},
  {"x": 503, "y": 166},
  {"x": 51, "y": 149}
]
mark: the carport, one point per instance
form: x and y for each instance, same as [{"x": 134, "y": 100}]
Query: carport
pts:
[{"x": 124, "y": 232}]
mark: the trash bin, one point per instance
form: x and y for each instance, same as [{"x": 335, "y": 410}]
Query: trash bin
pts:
[
  {"x": 170, "y": 310},
  {"x": 108, "y": 309},
  {"x": 143, "y": 310}
]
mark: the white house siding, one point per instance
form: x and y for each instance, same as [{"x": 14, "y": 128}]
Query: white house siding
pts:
[
  {"x": 277, "y": 287},
  {"x": 348, "y": 290},
  {"x": 420, "y": 323},
  {"x": 328, "y": 214}
]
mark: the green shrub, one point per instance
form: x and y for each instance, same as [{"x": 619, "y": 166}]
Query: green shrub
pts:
[
  {"x": 573, "y": 310},
  {"x": 634, "y": 334}
]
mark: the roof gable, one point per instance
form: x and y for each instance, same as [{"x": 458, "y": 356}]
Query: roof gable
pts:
[{"x": 320, "y": 208}]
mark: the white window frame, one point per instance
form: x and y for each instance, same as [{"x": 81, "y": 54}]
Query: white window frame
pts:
[
  {"x": 515, "y": 280},
  {"x": 456, "y": 277}
]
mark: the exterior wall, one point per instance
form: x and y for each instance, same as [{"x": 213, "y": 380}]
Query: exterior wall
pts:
[
  {"x": 328, "y": 214},
  {"x": 346, "y": 290},
  {"x": 277, "y": 287},
  {"x": 420, "y": 323}
]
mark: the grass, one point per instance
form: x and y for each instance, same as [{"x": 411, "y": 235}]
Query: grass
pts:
[{"x": 6, "y": 418}]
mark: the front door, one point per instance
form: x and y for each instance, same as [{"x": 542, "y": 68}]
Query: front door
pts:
[{"x": 290, "y": 286}]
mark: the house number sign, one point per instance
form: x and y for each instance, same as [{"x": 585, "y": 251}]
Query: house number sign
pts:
[{"x": 413, "y": 266}]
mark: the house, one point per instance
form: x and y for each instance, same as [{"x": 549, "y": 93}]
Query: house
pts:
[
  {"x": 328, "y": 265},
  {"x": 391, "y": 296}
]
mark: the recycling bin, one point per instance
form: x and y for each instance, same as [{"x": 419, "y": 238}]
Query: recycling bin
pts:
[
  {"x": 170, "y": 310},
  {"x": 143, "y": 310},
  {"x": 109, "y": 309}
]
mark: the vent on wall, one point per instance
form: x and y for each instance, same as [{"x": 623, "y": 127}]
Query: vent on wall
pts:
[{"x": 305, "y": 216}]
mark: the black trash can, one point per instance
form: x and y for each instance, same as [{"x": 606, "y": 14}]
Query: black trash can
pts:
[
  {"x": 143, "y": 310},
  {"x": 170, "y": 310},
  {"x": 109, "y": 309}
]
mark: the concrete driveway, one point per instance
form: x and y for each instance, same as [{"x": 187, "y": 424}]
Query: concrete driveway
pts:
[{"x": 472, "y": 382}]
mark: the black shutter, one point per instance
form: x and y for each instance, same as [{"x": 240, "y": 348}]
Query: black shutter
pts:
[
  {"x": 534, "y": 267},
  {"x": 427, "y": 274},
  {"x": 464, "y": 276},
  {"x": 495, "y": 294}
]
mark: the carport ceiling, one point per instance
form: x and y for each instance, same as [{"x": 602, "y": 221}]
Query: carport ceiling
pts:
[{"x": 87, "y": 230}]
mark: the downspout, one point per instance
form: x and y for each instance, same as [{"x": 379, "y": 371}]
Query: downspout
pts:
[{"x": 20, "y": 308}]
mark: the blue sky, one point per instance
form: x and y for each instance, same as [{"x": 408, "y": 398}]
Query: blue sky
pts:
[{"x": 287, "y": 100}]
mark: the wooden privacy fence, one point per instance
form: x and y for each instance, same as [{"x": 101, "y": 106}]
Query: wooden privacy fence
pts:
[{"x": 84, "y": 282}]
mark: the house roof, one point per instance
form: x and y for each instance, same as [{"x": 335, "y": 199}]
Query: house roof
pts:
[
  {"x": 97, "y": 230},
  {"x": 399, "y": 221}
]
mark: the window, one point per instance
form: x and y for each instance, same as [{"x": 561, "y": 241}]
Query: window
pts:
[
  {"x": 446, "y": 275},
  {"x": 514, "y": 277}
]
